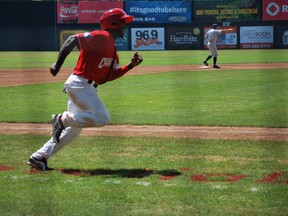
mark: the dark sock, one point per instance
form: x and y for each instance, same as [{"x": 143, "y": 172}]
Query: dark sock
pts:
[
  {"x": 209, "y": 57},
  {"x": 215, "y": 60}
]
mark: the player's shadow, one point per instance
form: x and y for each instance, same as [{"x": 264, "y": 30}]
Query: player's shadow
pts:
[{"x": 122, "y": 173}]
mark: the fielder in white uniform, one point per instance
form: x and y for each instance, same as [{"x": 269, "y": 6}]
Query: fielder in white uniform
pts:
[{"x": 211, "y": 38}]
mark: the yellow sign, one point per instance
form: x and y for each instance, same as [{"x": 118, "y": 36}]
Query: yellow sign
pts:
[{"x": 66, "y": 33}]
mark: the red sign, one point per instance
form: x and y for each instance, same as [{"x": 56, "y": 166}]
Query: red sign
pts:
[
  {"x": 275, "y": 10},
  {"x": 256, "y": 45},
  {"x": 67, "y": 11},
  {"x": 91, "y": 11},
  {"x": 72, "y": 11}
]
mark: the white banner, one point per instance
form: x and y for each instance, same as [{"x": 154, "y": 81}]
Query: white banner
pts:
[
  {"x": 256, "y": 37},
  {"x": 147, "y": 39}
]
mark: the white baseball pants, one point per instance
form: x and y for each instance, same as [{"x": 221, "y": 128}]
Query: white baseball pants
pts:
[
  {"x": 85, "y": 109},
  {"x": 213, "y": 49}
]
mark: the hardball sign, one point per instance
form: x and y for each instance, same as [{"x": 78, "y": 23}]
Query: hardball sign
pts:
[
  {"x": 183, "y": 38},
  {"x": 275, "y": 10}
]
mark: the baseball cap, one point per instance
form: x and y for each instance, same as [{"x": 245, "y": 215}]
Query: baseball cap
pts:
[{"x": 214, "y": 25}]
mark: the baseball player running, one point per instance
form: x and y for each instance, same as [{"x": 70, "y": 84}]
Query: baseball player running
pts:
[
  {"x": 98, "y": 63},
  {"x": 211, "y": 38}
]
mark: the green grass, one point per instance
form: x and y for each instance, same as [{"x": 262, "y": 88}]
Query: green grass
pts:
[
  {"x": 227, "y": 98},
  {"x": 10, "y": 60},
  {"x": 121, "y": 176}
]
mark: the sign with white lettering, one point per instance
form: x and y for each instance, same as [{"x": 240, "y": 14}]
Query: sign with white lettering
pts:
[
  {"x": 74, "y": 11},
  {"x": 275, "y": 10},
  {"x": 183, "y": 38},
  {"x": 160, "y": 11}
]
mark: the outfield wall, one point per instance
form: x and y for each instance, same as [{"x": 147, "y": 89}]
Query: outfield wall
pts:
[{"x": 166, "y": 25}]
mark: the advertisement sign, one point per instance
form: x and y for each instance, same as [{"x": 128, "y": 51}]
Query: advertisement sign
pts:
[
  {"x": 147, "y": 39},
  {"x": 282, "y": 37},
  {"x": 225, "y": 40},
  {"x": 256, "y": 37},
  {"x": 226, "y": 10},
  {"x": 72, "y": 11},
  {"x": 160, "y": 11},
  {"x": 274, "y": 10},
  {"x": 67, "y": 11},
  {"x": 67, "y": 33},
  {"x": 183, "y": 38},
  {"x": 122, "y": 43}
]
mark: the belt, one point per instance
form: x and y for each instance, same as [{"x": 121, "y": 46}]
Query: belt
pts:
[{"x": 91, "y": 82}]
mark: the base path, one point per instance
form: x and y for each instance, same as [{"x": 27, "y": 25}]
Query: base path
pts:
[
  {"x": 17, "y": 77},
  {"x": 228, "y": 133}
]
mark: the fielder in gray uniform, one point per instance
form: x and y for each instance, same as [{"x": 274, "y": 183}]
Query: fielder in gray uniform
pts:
[{"x": 211, "y": 38}]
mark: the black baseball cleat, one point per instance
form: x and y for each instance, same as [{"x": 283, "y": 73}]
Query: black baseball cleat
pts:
[
  {"x": 216, "y": 66},
  {"x": 57, "y": 128},
  {"x": 205, "y": 63},
  {"x": 38, "y": 164}
]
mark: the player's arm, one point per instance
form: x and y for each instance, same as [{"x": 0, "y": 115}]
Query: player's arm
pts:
[
  {"x": 65, "y": 49},
  {"x": 136, "y": 60},
  {"x": 227, "y": 30}
]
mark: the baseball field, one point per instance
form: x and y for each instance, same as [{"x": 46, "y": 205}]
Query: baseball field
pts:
[{"x": 183, "y": 140}]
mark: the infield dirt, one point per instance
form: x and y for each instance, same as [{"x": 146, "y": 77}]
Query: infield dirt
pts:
[{"x": 17, "y": 77}]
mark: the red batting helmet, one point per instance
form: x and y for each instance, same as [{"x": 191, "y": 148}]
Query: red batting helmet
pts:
[{"x": 113, "y": 19}]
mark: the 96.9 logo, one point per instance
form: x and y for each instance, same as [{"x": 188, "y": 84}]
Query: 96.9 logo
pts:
[
  {"x": 148, "y": 39},
  {"x": 146, "y": 34}
]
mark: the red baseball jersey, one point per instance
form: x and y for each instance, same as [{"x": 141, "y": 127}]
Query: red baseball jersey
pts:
[{"x": 97, "y": 53}]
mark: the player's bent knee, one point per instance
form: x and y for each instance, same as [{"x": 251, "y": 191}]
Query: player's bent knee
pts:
[{"x": 102, "y": 119}]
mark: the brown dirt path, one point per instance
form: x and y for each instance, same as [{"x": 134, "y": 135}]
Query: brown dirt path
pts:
[
  {"x": 32, "y": 76},
  {"x": 201, "y": 132},
  {"x": 16, "y": 77}
]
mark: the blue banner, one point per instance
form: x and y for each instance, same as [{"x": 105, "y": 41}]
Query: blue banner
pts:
[
  {"x": 122, "y": 43},
  {"x": 160, "y": 11}
]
